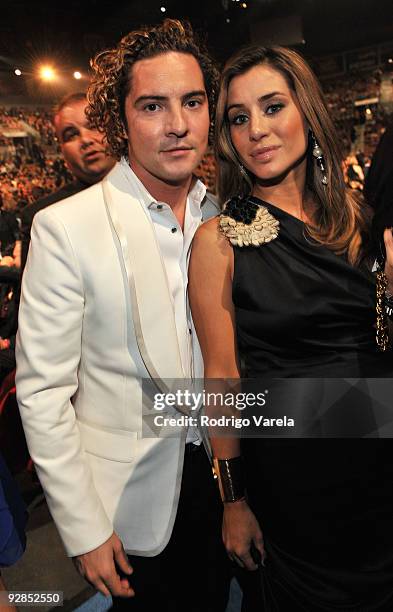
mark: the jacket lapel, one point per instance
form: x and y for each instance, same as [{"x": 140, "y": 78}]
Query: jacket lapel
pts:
[{"x": 152, "y": 310}]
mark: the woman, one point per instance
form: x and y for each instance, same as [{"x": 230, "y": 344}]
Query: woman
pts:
[{"x": 287, "y": 294}]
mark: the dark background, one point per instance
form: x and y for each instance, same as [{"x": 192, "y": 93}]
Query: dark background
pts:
[{"x": 67, "y": 34}]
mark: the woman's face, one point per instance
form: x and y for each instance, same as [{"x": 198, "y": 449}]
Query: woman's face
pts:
[{"x": 267, "y": 127}]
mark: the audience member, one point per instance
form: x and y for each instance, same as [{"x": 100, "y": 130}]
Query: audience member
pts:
[{"x": 84, "y": 154}]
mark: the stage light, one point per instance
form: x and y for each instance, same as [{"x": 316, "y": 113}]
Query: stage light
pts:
[
  {"x": 243, "y": 5},
  {"x": 368, "y": 111},
  {"x": 390, "y": 60},
  {"x": 77, "y": 75},
  {"x": 47, "y": 73},
  {"x": 17, "y": 72},
  {"x": 228, "y": 20},
  {"x": 163, "y": 9}
]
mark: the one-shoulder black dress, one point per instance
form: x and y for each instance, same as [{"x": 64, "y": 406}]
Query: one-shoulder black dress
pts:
[{"x": 325, "y": 505}]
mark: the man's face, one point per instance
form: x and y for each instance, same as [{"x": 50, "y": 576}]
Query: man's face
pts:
[
  {"x": 81, "y": 145},
  {"x": 167, "y": 117}
]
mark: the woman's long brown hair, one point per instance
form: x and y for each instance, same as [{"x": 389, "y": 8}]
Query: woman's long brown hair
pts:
[{"x": 339, "y": 221}]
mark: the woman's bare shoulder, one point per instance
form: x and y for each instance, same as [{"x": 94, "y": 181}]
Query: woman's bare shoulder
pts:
[
  {"x": 209, "y": 234},
  {"x": 211, "y": 226}
]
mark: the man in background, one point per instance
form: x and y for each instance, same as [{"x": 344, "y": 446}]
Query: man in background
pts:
[{"x": 84, "y": 154}]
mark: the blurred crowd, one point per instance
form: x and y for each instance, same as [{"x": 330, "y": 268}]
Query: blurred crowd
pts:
[
  {"x": 369, "y": 118},
  {"x": 25, "y": 182},
  {"x": 30, "y": 162},
  {"x": 39, "y": 120}
]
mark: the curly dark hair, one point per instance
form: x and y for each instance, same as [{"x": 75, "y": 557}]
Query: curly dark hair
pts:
[{"x": 111, "y": 80}]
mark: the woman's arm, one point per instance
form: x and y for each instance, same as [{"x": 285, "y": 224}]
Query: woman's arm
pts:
[{"x": 210, "y": 293}]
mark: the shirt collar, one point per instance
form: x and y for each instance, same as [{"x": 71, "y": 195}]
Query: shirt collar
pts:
[{"x": 196, "y": 194}]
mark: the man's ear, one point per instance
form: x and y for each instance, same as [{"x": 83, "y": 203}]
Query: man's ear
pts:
[{"x": 124, "y": 131}]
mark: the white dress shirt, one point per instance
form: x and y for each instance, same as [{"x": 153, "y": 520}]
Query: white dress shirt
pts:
[{"x": 175, "y": 245}]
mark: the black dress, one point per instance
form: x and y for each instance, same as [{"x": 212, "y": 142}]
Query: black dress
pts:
[{"x": 325, "y": 505}]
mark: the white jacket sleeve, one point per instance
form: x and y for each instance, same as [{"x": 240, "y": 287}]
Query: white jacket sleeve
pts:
[{"x": 48, "y": 351}]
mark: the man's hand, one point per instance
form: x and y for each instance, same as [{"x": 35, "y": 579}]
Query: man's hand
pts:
[
  {"x": 240, "y": 530},
  {"x": 388, "y": 239},
  {"x": 98, "y": 567}
]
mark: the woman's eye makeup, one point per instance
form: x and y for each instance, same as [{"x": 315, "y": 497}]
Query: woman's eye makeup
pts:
[
  {"x": 271, "y": 108},
  {"x": 238, "y": 119}
]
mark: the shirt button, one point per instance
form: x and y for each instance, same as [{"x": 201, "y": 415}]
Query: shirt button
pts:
[
  {"x": 159, "y": 206},
  {"x": 173, "y": 230}
]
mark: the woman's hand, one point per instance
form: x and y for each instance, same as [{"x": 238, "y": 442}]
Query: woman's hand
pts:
[
  {"x": 388, "y": 239},
  {"x": 240, "y": 529}
]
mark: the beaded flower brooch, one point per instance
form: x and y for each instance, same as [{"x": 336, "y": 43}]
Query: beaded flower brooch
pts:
[{"x": 245, "y": 223}]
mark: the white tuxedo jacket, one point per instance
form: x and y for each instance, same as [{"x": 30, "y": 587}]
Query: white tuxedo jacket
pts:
[{"x": 95, "y": 318}]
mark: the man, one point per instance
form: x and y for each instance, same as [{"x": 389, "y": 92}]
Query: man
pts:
[
  {"x": 104, "y": 306},
  {"x": 84, "y": 154}
]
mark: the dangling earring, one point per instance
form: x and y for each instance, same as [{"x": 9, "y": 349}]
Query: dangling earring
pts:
[
  {"x": 242, "y": 170},
  {"x": 318, "y": 154}
]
